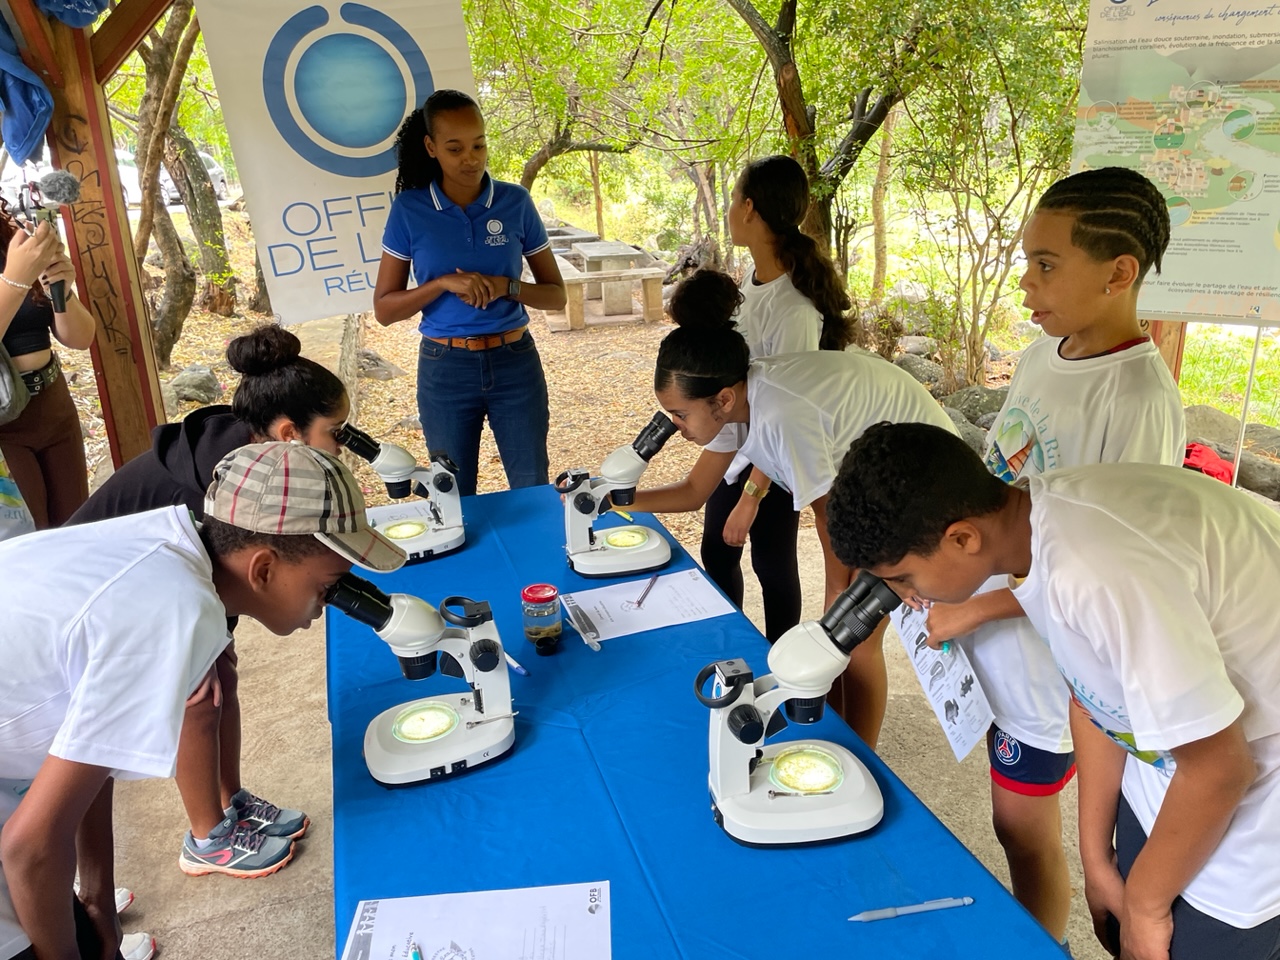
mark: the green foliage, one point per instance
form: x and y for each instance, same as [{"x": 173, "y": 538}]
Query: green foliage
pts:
[{"x": 1215, "y": 368}]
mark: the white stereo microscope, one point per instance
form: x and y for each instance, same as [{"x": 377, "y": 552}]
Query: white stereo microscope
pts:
[
  {"x": 440, "y": 736},
  {"x": 423, "y": 529},
  {"x": 796, "y": 792},
  {"x": 613, "y": 551}
]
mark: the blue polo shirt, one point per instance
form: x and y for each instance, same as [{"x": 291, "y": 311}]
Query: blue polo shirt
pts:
[{"x": 489, "y": 236}]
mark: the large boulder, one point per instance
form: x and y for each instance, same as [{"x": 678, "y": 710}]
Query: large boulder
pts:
[
  {"x": 975, "y": 438},
  {"x": 1263, "y": 439},
  {"x": 985, "y": 421},
  {"x": 925, "y": 371},
  {"x": 1211, "y": 425},
  {"x": 1258, "y": 474},
  {"x": 375, "y": 367},
  {"x": 1027, "y": 330},
  {"x": 197, "y": 382},
  {"x": 974, "y": 402},
  {"x": 918, "y": 346}
]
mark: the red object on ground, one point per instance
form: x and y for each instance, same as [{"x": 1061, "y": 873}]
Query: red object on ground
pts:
[{"x": 1206, "y": 460}]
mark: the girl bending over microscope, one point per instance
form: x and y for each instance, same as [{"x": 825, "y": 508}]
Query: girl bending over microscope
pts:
[{"x": 801, "y": 411}]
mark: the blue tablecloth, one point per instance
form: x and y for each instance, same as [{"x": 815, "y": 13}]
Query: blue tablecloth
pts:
[{"x": 608, "y": 781}]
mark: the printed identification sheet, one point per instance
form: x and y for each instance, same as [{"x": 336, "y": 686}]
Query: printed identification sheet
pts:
[
  {"x": 569, "y": 922},
  {"x": 638, "y": 605},
  {"x": 948, "y": 682}
]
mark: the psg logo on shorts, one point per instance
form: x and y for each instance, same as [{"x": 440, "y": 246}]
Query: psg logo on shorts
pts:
[{"x": 1007, "y": 749}]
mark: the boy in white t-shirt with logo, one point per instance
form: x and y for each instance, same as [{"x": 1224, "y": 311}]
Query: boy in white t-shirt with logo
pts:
[
  {"x": 1152, "y": 585},
  {"x": 1095, "y": 390},
  {"x": 110, "y": 629}
]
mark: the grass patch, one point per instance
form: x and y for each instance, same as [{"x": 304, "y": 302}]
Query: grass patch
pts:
[{"x": 1215, "y": 367}]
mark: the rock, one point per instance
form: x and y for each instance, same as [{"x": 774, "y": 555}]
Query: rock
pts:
[
  {"x": 918, "y": 346},
  {"x": 1026, "y": 330},
  {"x": 993, "y": 352},
  {"x": 1263, "y": 439},
  {"x": 909, "y": 291},
  {"x": 973, "y": 402},
  {"x": 375, "y": 368},
  {"x": 958, "y": 418},
  {"x": 197, "y": 382},
  {"x": 926, "y": 371},
  {"x": 1211, "y": 424},
  {"x": 410, "y": 423},
  {"x": 621, "y": 355},
  {"x": 1256, "y": 473},
  {"x": 171, "y": 401},
  {"x": 985, "y": 421}
]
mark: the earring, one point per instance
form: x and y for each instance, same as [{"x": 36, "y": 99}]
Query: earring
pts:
[{"x": 1107, "y": 291}]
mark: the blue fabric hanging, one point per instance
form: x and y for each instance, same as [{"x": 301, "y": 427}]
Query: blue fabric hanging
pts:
[
  {"x": 24, "y": 99},
  {"x": 74, "y": 13}
]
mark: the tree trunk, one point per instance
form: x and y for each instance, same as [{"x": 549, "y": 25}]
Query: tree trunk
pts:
[
  {"x": 192, "y": 180},
  {"x": 593, "y": 162},
  {"x": 170, "y": 314},
  {"x": 726, "y": 198},
  {"x": 880, "y": 228},
  {"x": 260, "y": 302}
]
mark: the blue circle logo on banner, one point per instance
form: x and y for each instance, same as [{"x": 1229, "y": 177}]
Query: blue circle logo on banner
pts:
[{"x": 337, "y": 97}]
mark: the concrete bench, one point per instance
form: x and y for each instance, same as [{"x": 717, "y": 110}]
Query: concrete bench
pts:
[{"x": 576, "y": 282}]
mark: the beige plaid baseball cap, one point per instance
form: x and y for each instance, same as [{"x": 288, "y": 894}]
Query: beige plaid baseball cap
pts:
[{"x": 290, "y": 488}]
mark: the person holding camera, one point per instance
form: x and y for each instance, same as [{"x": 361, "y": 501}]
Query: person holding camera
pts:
[{"x": 43, "y": 445}]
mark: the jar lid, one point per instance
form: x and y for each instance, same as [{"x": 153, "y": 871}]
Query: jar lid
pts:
[{"x": 539, "y": 593}]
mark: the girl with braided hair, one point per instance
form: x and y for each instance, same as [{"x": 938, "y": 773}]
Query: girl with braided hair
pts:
[
  {"x": 793, "y": 301},
  {"x": 1094, "y": 390},
  {"x": 463, "y": 235}
]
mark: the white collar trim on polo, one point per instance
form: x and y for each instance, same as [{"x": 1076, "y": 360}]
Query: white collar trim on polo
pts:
[{"x": 488, "y": 200}]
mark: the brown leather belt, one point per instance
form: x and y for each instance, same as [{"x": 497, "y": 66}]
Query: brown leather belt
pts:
[
  {"x": 38, "y": 380},
  {"x": 484, "y": 341}
]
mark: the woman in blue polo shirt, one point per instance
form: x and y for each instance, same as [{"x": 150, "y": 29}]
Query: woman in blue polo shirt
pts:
[{"x": 464, "y": 234}]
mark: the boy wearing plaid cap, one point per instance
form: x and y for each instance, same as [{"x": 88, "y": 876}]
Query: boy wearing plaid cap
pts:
[{"x": 109, "y": 629}]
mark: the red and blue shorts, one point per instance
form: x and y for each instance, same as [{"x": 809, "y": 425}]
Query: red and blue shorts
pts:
[{"x": 1027, "y": 770}]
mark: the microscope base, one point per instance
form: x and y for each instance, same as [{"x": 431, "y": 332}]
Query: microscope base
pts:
[
  {"x": 757, "y": 820},
  {"x": 608, "y": 560},
  {"x": 434, "y": 540},
  {"x": 394, "y": 762}
]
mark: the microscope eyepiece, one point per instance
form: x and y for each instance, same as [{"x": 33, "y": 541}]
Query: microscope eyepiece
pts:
[
  {"x": 358, "y": 442},
  {"x": 656, "y": 433},
  {"x": 361, "y": 600},
  {"x": 857, "y": 612}
]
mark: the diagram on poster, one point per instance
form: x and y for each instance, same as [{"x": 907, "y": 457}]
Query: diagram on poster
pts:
[
  {"x": 567, "y": 922},
  {"x": 948, "y": 682},
  {"x": 1188, "y": 93}
]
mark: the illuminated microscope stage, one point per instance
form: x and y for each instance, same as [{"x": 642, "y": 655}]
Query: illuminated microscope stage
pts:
[
  {"x": 419, "y": 527},
  {"x": 802, "y": 792},
  {"x": 433, "y": 738},
  {"x": 619, "y": 551}
]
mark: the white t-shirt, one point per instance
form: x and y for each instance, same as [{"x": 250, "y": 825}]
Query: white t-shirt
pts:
[
  {"x": 1153, "y": 585},
  {"x": 1121, "y": 407},
  {"x": 108, "y": 628},
  {"x": 775, "y": 318},
  {"x": 807, "y": 409}
]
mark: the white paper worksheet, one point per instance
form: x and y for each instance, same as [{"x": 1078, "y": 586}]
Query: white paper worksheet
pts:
[
  {"x": 948, "y": 681},
  {"x": 569, "y": 922},
  {"x": 623, "y": 608}
]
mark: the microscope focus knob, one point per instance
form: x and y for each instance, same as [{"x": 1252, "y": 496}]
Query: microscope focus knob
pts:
[
  {"x": 584, "y": 503},
  {"x": 485, "y": 654},
  {"x": 746, "y": 724},
  {"x": 442, "y": 482}
]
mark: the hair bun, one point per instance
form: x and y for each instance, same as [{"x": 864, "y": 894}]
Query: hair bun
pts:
[
  {"x": 706, "y": 301},
  {"x": 262, "y": 350}
]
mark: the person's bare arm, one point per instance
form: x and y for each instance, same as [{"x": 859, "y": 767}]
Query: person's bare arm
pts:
[
  {"x": 38, "y": 850},
  {"x": 743, "y": 515},
  {"x": 692, "y": 492},
  {"x": 950, "y": 620},
  {"x": 392, "y": 300},
  {"x": 75, "y": 326},
  {"x": 547, "y": 290},
  {"x": 1099, "y": 770},
  {"x": 95, "y": 860},
  {"x": 836, "y": 575},
  {"x": 26, "y": 259},
  {"x": 1211, "y": 778}
]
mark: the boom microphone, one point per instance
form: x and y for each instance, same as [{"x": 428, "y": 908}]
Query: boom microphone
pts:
[{"x": 59, "y": 188}]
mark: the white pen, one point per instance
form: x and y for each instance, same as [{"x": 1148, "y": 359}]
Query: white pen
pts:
[
  {"x": 515, "y": 665},
  {"x": 888, "y": 913}
]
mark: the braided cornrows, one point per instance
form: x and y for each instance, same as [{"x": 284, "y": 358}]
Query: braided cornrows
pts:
[
  {"x": 415, "y": 168},
  {"x": 1118, "y": 211}
]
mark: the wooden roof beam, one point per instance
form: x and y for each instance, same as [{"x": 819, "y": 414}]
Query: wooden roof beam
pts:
[{"x": 119, "y": 35}]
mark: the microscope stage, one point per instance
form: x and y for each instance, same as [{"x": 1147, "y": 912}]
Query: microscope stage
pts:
[
  {"x": 428, "y": 739},
  {"x": 415, "y": 529},
  {"x": 619, "y": 551},
  {"x": 770, "y": 814}
]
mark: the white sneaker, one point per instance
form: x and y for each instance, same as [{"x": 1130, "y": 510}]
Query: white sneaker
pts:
[
  {"x": 138, "y": 946},
  {"x": 124, "y": 896}
]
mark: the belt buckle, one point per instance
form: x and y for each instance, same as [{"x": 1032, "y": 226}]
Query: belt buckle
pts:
[{"x": 483, "y": 338}]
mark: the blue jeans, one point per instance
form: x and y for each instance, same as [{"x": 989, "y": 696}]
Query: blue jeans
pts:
[{"x": 458, "y": 388}]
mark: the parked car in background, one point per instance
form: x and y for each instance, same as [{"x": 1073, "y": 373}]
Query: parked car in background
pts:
[
  {"x": 15, "y": 176},
  {"x": 128, "y": 168},
  {"x": 217, "y": 175}
]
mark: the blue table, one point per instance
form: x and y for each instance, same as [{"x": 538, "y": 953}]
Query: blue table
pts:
[{"x": 608, "y": 781}]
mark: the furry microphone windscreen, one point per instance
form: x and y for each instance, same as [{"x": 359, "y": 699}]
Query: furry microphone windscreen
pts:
[{"x": 59, "y": 187}]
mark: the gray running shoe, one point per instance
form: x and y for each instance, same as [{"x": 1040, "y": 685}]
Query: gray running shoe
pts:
[
  {"x": 266, "y": 818},
  {"x": 237, "y": 850}
]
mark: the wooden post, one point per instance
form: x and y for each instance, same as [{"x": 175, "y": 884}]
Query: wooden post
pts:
[
  {"x": 1170, "y": 336},
  {"x": 99, "y": 238},
  {"x": 652, "y": 296}
]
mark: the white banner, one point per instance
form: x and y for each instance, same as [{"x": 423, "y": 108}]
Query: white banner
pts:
[
  {"x": 313, "y": 97},
  {"x": 1188, "y": 93}
]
